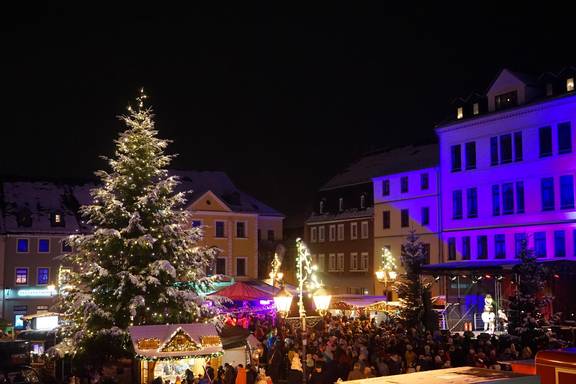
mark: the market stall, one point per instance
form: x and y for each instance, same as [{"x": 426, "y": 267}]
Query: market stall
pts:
[{"x": 167, "y": 351}]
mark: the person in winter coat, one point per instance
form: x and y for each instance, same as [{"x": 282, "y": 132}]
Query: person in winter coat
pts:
[
  {"x": 318, "y": 375},
  {"x": 356, "y": 373},
  {"x": 295, "y": 374}
]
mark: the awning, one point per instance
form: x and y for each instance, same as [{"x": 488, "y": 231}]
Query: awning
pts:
[
  {"x": 240, "y": 291},
  {"x": 356, "y": 301},
  {"x": 175, "y": 341}
]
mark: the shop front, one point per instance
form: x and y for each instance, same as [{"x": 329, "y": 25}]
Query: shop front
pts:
[{"x": 168, "y": 351}]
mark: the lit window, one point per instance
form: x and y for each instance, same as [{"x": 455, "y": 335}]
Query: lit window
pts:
[
  {"x": 22, "y": 245},
  {"x": 43, "y": 276},
  {"x": 22, "y": 276},
  {"x": 43, "y": 245},
  {"x": 57, "y": 218},
  {"x": 475, "y": 108},
  {"x": 570, "y": 84},
  {"x": 460, "y": 113}
]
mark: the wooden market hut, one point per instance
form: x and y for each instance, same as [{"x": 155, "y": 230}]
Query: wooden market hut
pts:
[{"x": 169, "y": 350}]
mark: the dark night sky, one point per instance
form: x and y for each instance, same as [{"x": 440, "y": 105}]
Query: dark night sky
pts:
[{"x": 280, "y": 106}]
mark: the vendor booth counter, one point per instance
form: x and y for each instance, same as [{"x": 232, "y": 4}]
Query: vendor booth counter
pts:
[
  {"x": 557, "y": 366},
  {"x": 167, "y": 351}
]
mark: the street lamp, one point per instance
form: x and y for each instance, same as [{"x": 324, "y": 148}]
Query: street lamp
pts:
[
  {"x": 321, "y": 300},
  {"x": 283, "y": 301}
]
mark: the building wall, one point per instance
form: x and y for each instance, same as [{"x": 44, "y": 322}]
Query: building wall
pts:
[
  {"x": 209, "y": 210},
  {"x": 414, "y": 200},
  {"x": 270, "y": 223},
  {"x": 529, "y": 171},
  {"x": 33, "y": 259}
]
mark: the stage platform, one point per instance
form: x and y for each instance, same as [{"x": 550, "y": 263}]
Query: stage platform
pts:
[{"x": 463, "y": 375}]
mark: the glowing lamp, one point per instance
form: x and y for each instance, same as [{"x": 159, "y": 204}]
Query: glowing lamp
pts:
[
  {"x": 393, "y": 275},
  {"x": 283, "y": 301},
  {"x": 321, "y": 300},
  {"x": 380, "y": 274}
]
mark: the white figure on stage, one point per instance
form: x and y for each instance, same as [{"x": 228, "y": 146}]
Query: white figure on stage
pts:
[
  {"x": 488, "y": 316},
  {"x": 503, "y": 319}
]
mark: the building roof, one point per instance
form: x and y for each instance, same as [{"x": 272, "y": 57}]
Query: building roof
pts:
[
  {"x": 200, "y": 182},
  {"x": 386, "y": 162},
  {"x": 30, "y": 206},
  {"x": 346, "y": 215}
]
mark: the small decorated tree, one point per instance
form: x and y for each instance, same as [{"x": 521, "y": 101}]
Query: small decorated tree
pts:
[
  {"x": 130, "y": 270},
  {"x": 415, "y": 306},
  {"x": 527, "y": 303}
]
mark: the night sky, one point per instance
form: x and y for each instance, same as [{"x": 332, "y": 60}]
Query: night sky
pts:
[{"x": 281, "y": 107}]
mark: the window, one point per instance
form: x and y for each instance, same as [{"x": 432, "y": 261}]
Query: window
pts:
[
  {"x": 495, "y": 200},
  {"x": 340, "y": 232},
  {"x": 569, "y": 84},
  {"x": 564, "y": 138},
  {"x": 451, "y": 248},
  {"x": 472, "y": 202},
  {"x": 321, "y": 207},
  {"x": 332, "y": 233},
  {"x": 549, "y": 89},
  {"x": 500, "y": 246},
  {"x": 196, "y": 223},
  {"x": 545, "y": 134},
  {"x": 493, "y": 151},
  {"x": 466, "y": 248},
  {"x": 507, "y": 198},
  {"x": 340, "y": 204},
  {"x": 353, "y": 231},
  {"x": 364, "y": 230},
  {"x": 43, "y": 276},
  {"x": 482, "y": 245},
  {"x": 240, "y": 266},
  {"x": 475, "y": 109},
  {"x": 505, "y": 100},
  {"x": 19, "y": 312},
  {"x": 547, "y": 193},
  {"x": 220, "y": 229},
  {"x": 424, "y": 181},
  {"x": 559, "y": 243},
  {"x": 66, "y": 247},
  {"x": 404, "y": 218},
  {"x": 313, "y": 234},
  {"x": 471, "y": 155},
  {"x": 459, "y": 113},
  {"x": 220, "y": 266},
  {"x": 518, "y": 146},
  {"x": 22, "y": 245},
  {"x": 505, "y": 149},
  {"x": 404, "y": 184},
  {"x": 457, "y": 205},
  {"x": 362, "y": 201},
  {"x": 321, "y": 263},
  {"x": 321, "y": 234},
  {"x": 364, "y": 261},
  {"x": 566, "y": 192},
  {"x": 426, "y": 253},
  {"x": 386, "y": 219},
  {"x": 43, "y": 245},
  {"x": 56, "y": 219},
  {"x": 425, "y": 213},
  {"x": 540, "y": 244},
  {"x": 354, "y": 261},
  {"x": 519, "y": 197},
  {"x": 332, "y": 262},
  {"x": 520, "y": 242},
  {"x": 270, "y": 235},
  {"x": 241, "y": 229},
  {"x": 385, "y": 187},
  {"x": 456, "y": 158},
  {"x": 21, "y": 276},
  {"x": 340, "y": 262}
]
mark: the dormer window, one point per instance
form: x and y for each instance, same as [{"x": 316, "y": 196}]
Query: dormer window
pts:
[
  {"x": 460, "y": 113},
  {"x": 340, "y": 204},
  {"x": 24, "y": 218},
  {"x": 569, "y": 84},
  {"x": 506, "y": 100},
  {"x": 362, "y": 201},
  {"x": 475, "y": 108},
  {"x": 549, "y": 89},
  {"x": 57, "y": 219},
  {"x": 321, "y": 207}
]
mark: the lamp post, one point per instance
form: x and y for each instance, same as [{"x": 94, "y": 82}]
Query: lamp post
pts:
[
  {"x": 306, "y": 277},
  {"x": 387, "y": 269}
]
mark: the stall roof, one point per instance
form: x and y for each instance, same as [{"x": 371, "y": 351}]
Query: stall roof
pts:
[
  {"x": 360, "y": 301},
  {"x": 240, "y": 291},
  {"x": 175, "y": 340}
]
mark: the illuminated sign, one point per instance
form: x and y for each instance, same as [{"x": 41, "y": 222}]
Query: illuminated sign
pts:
[{"x": 48, "y": 291}]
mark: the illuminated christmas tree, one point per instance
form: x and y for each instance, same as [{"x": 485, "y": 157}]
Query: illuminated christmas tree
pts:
[{"x": 130, "y": 270}]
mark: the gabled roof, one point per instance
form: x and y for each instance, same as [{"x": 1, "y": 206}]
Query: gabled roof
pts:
[
  {"x": 200, "y": 182},
  {"x": 524, "y": 78},
  {"x": 386, "y": 162}
]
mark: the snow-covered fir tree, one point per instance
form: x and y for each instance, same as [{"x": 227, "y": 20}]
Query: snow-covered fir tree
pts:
[
  {"x": 414, "y": 296},
  {"x": 136, "y": 265}
]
